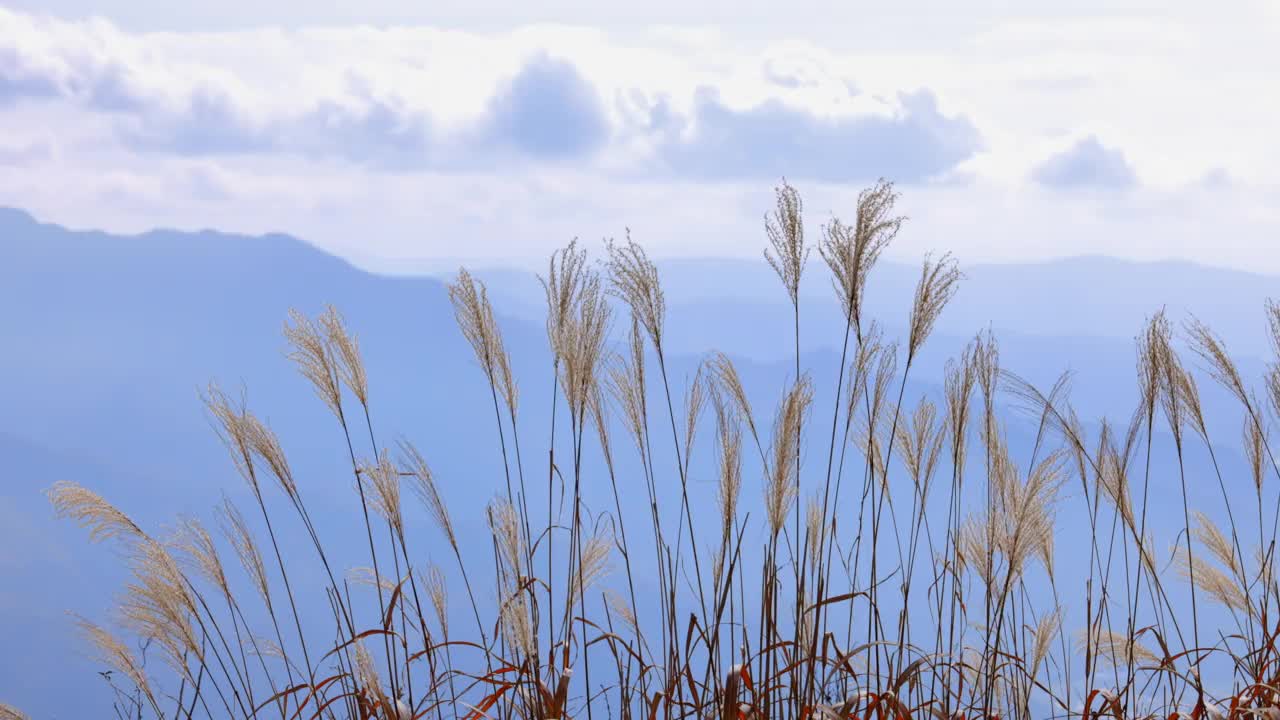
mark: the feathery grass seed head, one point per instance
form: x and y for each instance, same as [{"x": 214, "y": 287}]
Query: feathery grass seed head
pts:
[{"x": 785, "y": 228}]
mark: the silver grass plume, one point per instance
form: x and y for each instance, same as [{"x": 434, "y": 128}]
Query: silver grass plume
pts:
[
  {"x": 9, "y": 712},
  {"x": 229, "y": 416},
  {"x": 921, "y": 443},
  {"x": 267, "y": 448},
  {"x": 424, "y": 484},
  {"x": 785, "y": 228},
  {"x": 438, "y": 592},
  {"x": 157, "y": 604},
  {"x": 780, "y": 487},
  {"x": 626, "y": 381},
  {"x": 564, "y": 285},
  {"x": 939, "y": 281},
  {"x": 729, "y": 444},
  {"x": 582, "y": 336},
  {"x": 91, "y": 511},
  {"x": 196, "y": 544},
  {"x": 382, "y": 478},
  {"x": 1218, "y": 362},
  {"x": 633, "y": 278},
  {"x": 236, "y": 530},
  {"x": 474, "y": 314},
  {"x": 310, "y": 350},
  {"x": 851, "y": 251},
  {"x": 345, "y": 349},
  {"x": 115, "y": 655},
  {"x": 593, "y": 565}
]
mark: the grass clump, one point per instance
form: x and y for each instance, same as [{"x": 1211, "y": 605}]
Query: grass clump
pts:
[{"x": 910, "y": 573}]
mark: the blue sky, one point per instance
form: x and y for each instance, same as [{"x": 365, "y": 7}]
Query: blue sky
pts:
[{"x": 405, "y": 139}]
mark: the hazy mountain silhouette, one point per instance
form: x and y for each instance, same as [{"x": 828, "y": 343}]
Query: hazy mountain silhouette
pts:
[{"x": 108, "y": 340}]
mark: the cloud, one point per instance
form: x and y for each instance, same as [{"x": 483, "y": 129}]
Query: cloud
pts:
[
  {"x": 27, "y": 154},
  {"x": 356, "y": 126},
  {"x": 548, "y": 110},
  {"x": 209, "y": 122},
  {"x": 1088, "y": 163},
  {"x": 19, "y": 80},
  {"x": 376, "y": 132},
  {"x": 378, "y": 99},
  {"x": 911, "y": 142},
  {"x": 87, "y": 62}
]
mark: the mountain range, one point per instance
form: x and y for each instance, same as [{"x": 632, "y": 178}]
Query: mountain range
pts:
[{"x": 108, "y": 341}]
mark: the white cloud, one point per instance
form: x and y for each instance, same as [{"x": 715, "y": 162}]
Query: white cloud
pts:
[
  {"x": 1086, "y": 164},
  {"x": 404, "y": 143},
  {"x": 426, "y": 98}
]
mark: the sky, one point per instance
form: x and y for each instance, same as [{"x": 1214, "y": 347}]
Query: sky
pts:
[{"x": 411, "y": 136}]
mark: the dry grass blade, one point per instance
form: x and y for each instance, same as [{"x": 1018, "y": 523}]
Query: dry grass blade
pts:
[
  {"x": 474, "y": 314},
  {"x": 1113, "y": 479},
  {"x": 9, "y": 712},
  {"x": 425, "y": 486},
  {"x": 986, "y": 366},
  {"x": 232, "y": 430},
  {"x": 564, "y": 285},
  {"x": 438, "y": 592},
  {"x": 1272, "y": 377},
  {"x": 1046, "y": 630},
  {"x": 516, "y": 627},
  {"x": 310, "y": 351},
  {"x": 1215, "y": 583},
  {"x": 785, "y": 228},
  {"x": 872, "y": 429},
  {"x": 368, "y": 577},
  {"x": 1255, "y": 444},
  {"x": 868, "y": 355},
  {"x": 694, "y": 400},
  {"x": 383, "y": 480},
  {"x": 1173, "y": 386},
  {"x": 599, "y": 413},
  {"x": 267, "y": 448},
  {"x": 780, "y": 489},
  {"x": 504, "y": 523},
  {"x": 1034, "y": 509},
  {"x": 115, "y": 655},
  {"x": 366, "y": 672},
  {"x": 195, "y": 542},
  {"x": 634, "y": 279},
  {"x": 620, "y": 608},
  {"x": 1117, "y": 649},
  {"x": 960, "y": 379},
  {"x": 158, "y": 605},
  {"x": 724, "y": 375},
  {"x": 1221, "y": 367},
  {"x": 921, "y": 443},
  {"x": 582, "y": 337},
  {"x": 815, "y": 527},
  {"x": 91, "y": 511},
  {"x": 237, "y": 532},
  {"x": 626, "y": 380},
  {"x": 729, "y": 443},
  {"x": 939, "y": 281},
  {"x": 1215, "y": 541},
  {"x": 346, "y": 354},
  {"x": 594, "y": 565},
  {"x": 851, "y": 252}
]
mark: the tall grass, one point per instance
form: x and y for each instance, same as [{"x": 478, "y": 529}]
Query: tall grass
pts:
[{"x": 908, "y": 572}]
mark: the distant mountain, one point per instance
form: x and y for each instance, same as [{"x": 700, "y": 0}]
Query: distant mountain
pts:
[
  {"x": 1086, "y": 297},
  {"x": 107, "y": 343},
  {"x": 108, "y": 339}
]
